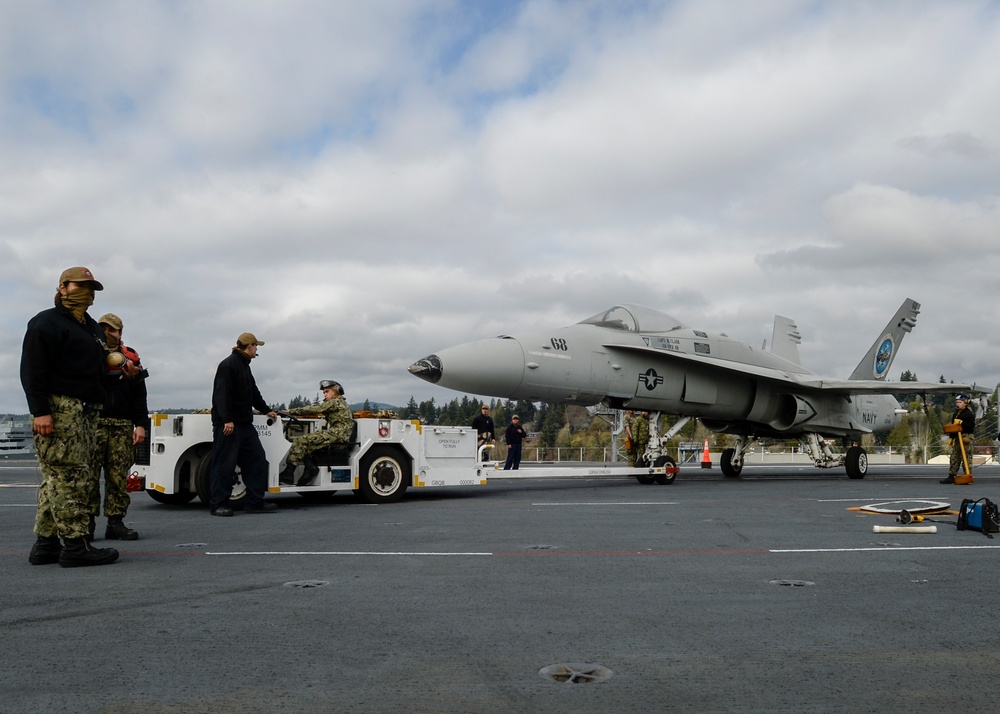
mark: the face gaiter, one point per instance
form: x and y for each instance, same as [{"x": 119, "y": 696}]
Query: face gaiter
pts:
[
  {"x": 78, "y": 301},
  {"x": 111, "y": 341}
]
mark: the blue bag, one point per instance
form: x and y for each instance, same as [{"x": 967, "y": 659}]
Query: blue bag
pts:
[{"x": 979, "y": 515}]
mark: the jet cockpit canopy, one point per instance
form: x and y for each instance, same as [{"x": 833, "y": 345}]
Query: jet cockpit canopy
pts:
[{"x": 633, "y": 318}]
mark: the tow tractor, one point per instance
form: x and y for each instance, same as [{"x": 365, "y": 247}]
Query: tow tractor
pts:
[{"x": 384, "y": 457}]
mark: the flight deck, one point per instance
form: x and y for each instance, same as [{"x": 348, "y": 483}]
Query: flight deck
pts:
[{"x": 589, "y": 594}]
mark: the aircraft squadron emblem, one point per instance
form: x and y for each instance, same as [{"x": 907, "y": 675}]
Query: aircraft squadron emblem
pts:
[{"x": 883, "y": 357}]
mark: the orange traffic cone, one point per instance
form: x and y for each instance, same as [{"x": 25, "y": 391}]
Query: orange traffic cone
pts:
[{"x": 706, "y": 460}]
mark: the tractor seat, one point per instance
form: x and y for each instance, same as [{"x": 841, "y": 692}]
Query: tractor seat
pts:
[{"x": 336, "y": 454}]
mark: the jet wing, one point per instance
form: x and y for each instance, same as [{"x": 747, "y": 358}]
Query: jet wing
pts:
[
  {"x": 874, "y": 386},
  {"x": 803, "y": 381}
]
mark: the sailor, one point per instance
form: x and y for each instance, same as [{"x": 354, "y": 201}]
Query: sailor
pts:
[
  {"x": 514, "y": 436},
  {"x": 235, "y": 440},
  {"x": 967, "y": 418},
  {"x": 628, "y": 421},
  {"x": 62, "y": 366},
  {"x": 339, "y": 422},
  {"x": 484, "y": 426},
  {"x": 123, "y": 425},
  {"x": 640, "y": 437}
]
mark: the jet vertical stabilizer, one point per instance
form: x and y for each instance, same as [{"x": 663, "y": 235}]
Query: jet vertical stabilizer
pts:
[
  {"x": 876, "y": 364},
  {"x": 785, "y": 339}
]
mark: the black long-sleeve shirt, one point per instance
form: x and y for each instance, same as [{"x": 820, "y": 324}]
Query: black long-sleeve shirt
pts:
[
  {"x": 514, "y": 434},
  {"x": 61, "y": 355},
  {"x": 235, "y": 394},
  {"x": 968, "y": 419},
  {"x": 484, "y": 427}
]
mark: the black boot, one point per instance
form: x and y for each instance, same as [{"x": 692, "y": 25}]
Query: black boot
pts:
[
  {"x": 950, "y": 479},
  {"x": 287, "y": 475},
  {"x": 77, "y": 552},
  {"x": 91, "y": 527},
  {"x": 117, "y": 530},
  {"x": 45, "y": 551},
  {"x": 310, "y": 472}
]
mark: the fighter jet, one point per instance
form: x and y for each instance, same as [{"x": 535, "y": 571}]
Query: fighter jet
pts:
[{"x": 637, "y": 358}]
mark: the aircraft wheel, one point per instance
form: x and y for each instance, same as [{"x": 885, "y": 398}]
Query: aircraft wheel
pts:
[
  {"x": 384, "y": 475},
  {"x": 726, "y": 463},
  {"x": 171, "y": 499},
  {"x": 645, "y": 479},
  {"x": 856, "y": 462},
  {"x": 203, "y": 484},
  {"x": 668, "y": 478}
]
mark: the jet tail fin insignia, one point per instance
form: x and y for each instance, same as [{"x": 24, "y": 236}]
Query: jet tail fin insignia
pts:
[{"x": 876, "y": 363}]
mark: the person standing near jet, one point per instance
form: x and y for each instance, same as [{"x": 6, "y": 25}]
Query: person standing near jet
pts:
[
  {"x": 62, "y": 364},
  {"x": 235, "y": 440},
  {"x": 967, "y": 418},
  {"x": 628, "y": 420},
  {"x": 485, "y": 429},
  {"x": 339, "y": 423},
  {"x": 640, "y": 437},
  {"x": 122, "y": 426},
  {"x": 514, "y": 436}
]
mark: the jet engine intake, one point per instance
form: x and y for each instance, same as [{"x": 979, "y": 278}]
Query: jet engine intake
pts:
[{"x": 792, "y": 411}]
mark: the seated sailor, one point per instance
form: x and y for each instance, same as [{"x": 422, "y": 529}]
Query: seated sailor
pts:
[{"x": 339, "y": 421}]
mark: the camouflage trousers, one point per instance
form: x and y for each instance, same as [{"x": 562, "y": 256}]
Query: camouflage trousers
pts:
[
  {"x": 640, "y": 439},
  {"x": 114, "y": 454},
  {"x": 65, "y": 459},
  {"x": 955, "y": 465},
  {"x": 302, "y": 446}
]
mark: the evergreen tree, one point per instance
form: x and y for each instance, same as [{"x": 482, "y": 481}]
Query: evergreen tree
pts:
[
  {"x": 428, "y": 412},
  {"x": 555, "y": 420},
  {"x": 899, "y": 438},
  {"x": 412, "y": 410},
  {"x": 500, "y": 414},
  {"x": 907, "y": 376},
  {"x": 940, "y": 400},
  {"x": 447, "y": 413},
  {"x": 526, "y": 410}
]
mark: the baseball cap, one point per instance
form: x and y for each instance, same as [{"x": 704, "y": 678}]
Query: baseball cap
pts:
[
  {"x": 248, "y": 338},
  {"x": 111, "y": 319},
  {"x": 79, "y": 275}
]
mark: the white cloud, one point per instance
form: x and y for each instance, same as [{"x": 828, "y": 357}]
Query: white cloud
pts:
[{"x": 364, "y": 183}]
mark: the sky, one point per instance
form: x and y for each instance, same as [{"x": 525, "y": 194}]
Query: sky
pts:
[{"x": 361, "y": 184}]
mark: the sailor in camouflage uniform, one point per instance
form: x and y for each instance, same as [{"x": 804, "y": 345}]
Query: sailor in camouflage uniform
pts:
[
  {"x": 62, "y": 363},
  {"x": 628, "y": 422},
  {"x": 339, "y": 423},
  {"x": 123, "y": 425},
  {"x": 640, "y": 438}
]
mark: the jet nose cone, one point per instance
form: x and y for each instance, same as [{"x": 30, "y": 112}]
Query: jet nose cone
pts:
[
  {"x": 492, "y": 367},
  {"x": 428, "y": 368}
]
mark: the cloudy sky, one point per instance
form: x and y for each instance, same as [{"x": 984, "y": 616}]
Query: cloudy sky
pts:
[{"x": 363, "y": 183}]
